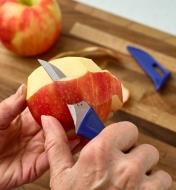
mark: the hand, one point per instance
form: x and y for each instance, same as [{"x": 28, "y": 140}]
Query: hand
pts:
[
  {"x": 22, "y": 153},
  {"x": 104, "y": 163}
]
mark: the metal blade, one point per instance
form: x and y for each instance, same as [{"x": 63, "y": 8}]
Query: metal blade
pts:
[
  {"x": 73, "y": 113},
  {"x": 54, "y": 73},
  {"x": 78, "y": 111}
]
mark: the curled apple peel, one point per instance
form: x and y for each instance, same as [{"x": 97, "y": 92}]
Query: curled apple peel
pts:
[{"x": 84, "y": 81}]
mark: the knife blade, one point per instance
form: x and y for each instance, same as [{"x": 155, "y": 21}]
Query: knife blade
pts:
[{"x": 54, "y": 73}]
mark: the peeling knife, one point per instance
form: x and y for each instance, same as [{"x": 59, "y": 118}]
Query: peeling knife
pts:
[
  {"x": 158, "y": 74},
  {"x": 86, "y": 121}
]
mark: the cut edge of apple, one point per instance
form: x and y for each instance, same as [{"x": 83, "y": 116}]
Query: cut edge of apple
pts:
[
  {"x": 125, "y": 93},
  {"x": 65, "y": 65}
]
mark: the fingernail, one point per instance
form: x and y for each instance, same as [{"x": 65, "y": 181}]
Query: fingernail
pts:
[{"x": 21, "y": 90}]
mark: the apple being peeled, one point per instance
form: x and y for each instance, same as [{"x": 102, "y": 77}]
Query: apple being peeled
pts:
[
  {"x": 29, "y": 27},
  {"x": 84, "y": 81}
]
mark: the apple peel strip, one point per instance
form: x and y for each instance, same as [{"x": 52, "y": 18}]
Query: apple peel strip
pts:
[{"x": 96, "y": 52}]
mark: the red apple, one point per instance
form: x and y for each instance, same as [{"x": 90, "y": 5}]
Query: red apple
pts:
[
  {"x": 29, "y": 27},
  {"x": 84, "y": 81}
]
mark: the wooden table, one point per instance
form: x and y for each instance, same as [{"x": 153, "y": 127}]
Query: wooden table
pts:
[{"x": 154, "y": 113}]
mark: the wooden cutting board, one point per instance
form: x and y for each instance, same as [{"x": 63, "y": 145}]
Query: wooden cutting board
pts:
[
  {"x": 84, "y": 27},
  {"x": 153, "y": 112}
]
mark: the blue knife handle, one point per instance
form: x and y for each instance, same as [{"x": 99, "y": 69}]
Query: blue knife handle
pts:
[{"x": 91, "y": 125}]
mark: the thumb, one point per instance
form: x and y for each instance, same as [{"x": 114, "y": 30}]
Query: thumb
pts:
[
  {"x": 12, "y": 106},
  {"x": 56, "y": 146}
]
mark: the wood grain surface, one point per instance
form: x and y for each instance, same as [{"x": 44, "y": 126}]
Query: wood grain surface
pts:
[{"x": 154, "y": 113}]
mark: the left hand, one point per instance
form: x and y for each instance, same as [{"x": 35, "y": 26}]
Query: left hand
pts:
[{"x": 22, "y": 154}]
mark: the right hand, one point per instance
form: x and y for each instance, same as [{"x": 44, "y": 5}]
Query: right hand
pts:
[{"x": 104, "y": 163}]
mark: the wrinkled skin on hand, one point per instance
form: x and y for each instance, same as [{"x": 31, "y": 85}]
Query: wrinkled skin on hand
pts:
[
  {"x": 105, "y": 163},
  {"x": 111, "y": 161},
  {"x": 22, "y": 154}
]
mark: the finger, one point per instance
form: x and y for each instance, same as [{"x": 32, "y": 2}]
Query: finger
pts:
[
  {"x": 123, "y": 134},
  {"x": 56, "y": 145},
  {"x": 12, "y": 106},
  {"x": 28, "y": 120},
  {"x": 157, "y": 180},
  {"x": 145, "y": 156}
]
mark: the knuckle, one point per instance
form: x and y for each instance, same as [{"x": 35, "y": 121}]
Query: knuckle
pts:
[
  {"x": 5, "y": 113},
  {"x": 95, "y": 150},
  {"x": 130, "y": 127},
  {"x": 49, "y": 144},
  {"x": 86, "y": 153},
  {"x": 122, "y": 126},
  {"x": 100, "y": 145},
  {"x": 152, "y": 149},
  {"x": 129, "y": 175},
  {"x": 6, "y": 106},
  {"x": 128, "y": 123},
  {"x": 148, "y": 186},
  {"x": 53, "y": 182},
  {"x": 133, "y": 168},
  {"x": 165, "y": 176}
]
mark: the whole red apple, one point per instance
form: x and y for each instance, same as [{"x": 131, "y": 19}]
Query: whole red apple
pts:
[
  {"x": 29, "y": 27},
  {"x": 84, "y": 81}
]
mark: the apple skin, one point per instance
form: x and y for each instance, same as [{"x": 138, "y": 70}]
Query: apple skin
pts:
[
  {"x": 96, "y": 89},
  {"x": 29, "y": 30}
]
